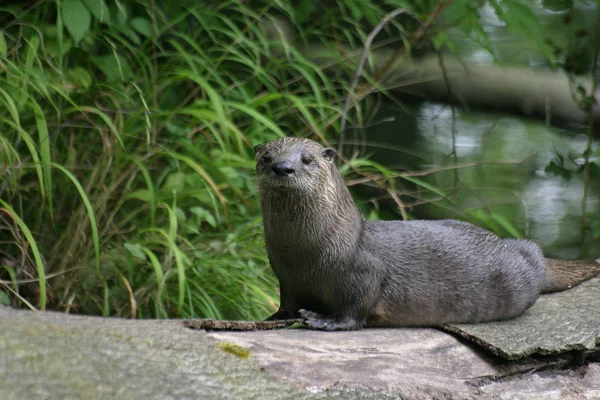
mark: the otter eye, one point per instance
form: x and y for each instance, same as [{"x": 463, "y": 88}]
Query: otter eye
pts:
[
  {"x": 306, "y": 160},
  {"x": 265, "y": 158}
]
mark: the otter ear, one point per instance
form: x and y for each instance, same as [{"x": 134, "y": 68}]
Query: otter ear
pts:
[
  {"x": 328, "y": 154},
  {"x": 258, "y": 148}
]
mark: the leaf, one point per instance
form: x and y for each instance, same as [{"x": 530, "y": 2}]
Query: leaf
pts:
[
  {"x": 4, "y": 299},
  {"x": 469, "y": 21},
  {"x": 3, "y": 47},
  {"x": 204, "y": 215},
  {"x": 354, "y": 10},
  {"x": 115, "y": 67},
  {"x": 373, "y": 215},
  {"x": 175, "y": 181},
  {"x": 136, "y": 250},
  {"x": 77, "y": 19},
  {"x": 142, "y": 26},
  {"x": 122, "y": 16},
  {"x": 519, "y": 18},
  {"x": 143, "y": 195},
  {"x": 558, "y": 170},
  {"x": 98, "y": 9},
  {"x": 130, "y": 33},
  {"x": 179, "y": 214},
  {"x": 80, "y": 77}
]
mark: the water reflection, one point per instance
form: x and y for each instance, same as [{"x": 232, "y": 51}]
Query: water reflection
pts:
[{"x": 544, "y": 206}]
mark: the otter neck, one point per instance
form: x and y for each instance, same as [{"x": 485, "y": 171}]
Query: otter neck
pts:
[{"x": 325, "y": 221}]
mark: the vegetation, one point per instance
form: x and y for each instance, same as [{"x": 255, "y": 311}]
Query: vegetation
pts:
[{"x": 126, "y": 135}]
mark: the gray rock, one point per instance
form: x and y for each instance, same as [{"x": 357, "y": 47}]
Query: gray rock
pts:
[
  {"x": 411, "y": 363},
  {"x": 557, "y": 323},
  {"x": 58, "y": 356}
]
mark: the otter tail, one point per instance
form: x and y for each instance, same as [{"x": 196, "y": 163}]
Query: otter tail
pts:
[{"x": 562, "y": 274}]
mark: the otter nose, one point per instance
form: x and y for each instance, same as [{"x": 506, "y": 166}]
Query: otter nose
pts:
[{"x": 283, "y": 168}]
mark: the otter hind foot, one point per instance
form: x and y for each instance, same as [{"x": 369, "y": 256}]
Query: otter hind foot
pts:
[{"x": 315, "y": 320}]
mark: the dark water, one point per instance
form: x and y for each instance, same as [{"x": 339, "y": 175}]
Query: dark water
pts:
[{"x": 516, "y": 169}]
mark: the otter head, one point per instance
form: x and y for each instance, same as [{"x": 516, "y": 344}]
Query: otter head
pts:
[{"x": 294, "y": 165}]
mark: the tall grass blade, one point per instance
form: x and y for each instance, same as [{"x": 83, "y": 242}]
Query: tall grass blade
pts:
[
  {"x": 46, "y": 159},
  {"x": 39, "y": 264},
  {"x": 89, "y": 209}
]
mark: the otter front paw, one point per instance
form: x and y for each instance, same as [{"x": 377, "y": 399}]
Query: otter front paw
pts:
[{"x": 315, "y": 320}]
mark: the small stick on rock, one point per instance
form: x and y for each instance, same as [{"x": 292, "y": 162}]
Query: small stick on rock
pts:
[{"x": 217, "y": 325}]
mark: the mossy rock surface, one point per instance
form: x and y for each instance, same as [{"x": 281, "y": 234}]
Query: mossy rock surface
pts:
[{"x": 57, "y": 356}]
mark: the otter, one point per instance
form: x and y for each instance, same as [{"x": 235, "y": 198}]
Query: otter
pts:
[{"x": 339, "y": 271}]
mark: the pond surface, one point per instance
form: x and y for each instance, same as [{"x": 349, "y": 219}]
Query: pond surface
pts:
[
  {"x": 515, "y": 174},
  {"x": 541, "y": 193}
]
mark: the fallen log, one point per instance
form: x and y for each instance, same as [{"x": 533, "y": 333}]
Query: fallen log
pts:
[{"x": 533, "y": 92}]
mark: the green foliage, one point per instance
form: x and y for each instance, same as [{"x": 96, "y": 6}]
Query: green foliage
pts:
[
  {"x": 77, "y": 19},
  {"x": 126, "y": 154}
]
